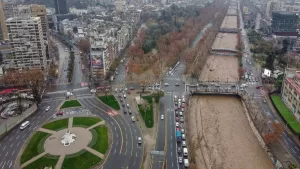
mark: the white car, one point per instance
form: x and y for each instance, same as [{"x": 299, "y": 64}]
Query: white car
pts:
[
  {"x": 48, "y": 108},
  {"x": 24, "y": 125},
  {"x": 183, "y": 136},
  {"x": 177, "y": 124},
  {"x": 124, "y": 96},
  {"x": 139, "y": 140},
  {"x": 180, "y": 160},
  {"x": 162, "y": 117},
  {"x": 166, "y": 84},
  {"x": 182, "y": 130},
  {"x": 132, "y": 118},
  {"x": 93, "y": 90},
  {"x": 127, "y": 105},
  {"x": 180, "y": 113},
  {"x": 183, "y": 144}
]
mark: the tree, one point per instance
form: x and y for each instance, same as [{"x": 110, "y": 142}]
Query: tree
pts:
[
  {"x": 278, "y": 82},
  {"x": 274, "y": 136},
  {"x": 270, "y": 61},
  {"x": 20, "y": 107},
  {"x": 84, "y": 45}
]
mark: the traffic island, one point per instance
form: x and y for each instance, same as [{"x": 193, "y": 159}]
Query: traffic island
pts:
[
  {"x": 71, "y": 143},
  {"x": 110, "y": 101},
  {"x": 70, "y": 104},
  {"x": 146, "y": 110}
]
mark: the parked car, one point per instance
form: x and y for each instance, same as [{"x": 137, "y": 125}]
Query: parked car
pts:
[
  {"x": 129, "y": 111},
  {"x": 183, "y": 144},
  {"x": 59, "y": 113},
  {"x": 127, "y": 105},
  {"x": 166, "y": 84},
  {"x": 162, "y": 117},
  {"x": 177, "y": 124},
  {"x": 183, "y": 136},
  {"x": 179, "y": 160},
  {"x": 179, "y": 150},
  {"x": 177, "y": 119},
  {"x": 181, "y": 119},
  {"x": 182, "y": 130},
  {"x": 180, "y": 113},
  {"x": 177, "y": 84},
  {"x": 48, "y": 108}
]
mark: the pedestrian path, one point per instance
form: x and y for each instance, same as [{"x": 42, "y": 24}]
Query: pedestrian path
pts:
[
  {"x": 33, "y": 159},
  {"x": 47, "y": 131},
  {"x": 97, "y": 124},
  {"x": 60, "y": 161},
  {"x": 94, "y": 152}
]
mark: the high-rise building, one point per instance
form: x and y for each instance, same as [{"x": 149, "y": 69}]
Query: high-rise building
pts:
[
  {"x": 9, "y": 9},
  {"x": 34, "y": 10},
  {"x": 3, "y": 28},
  {"x": 60, "y": 7},
  {"x": 284, "y": 23},
  {"x": 26, "y": 39}
]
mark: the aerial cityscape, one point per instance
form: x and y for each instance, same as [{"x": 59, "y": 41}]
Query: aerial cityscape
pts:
[{"x": 150, "y": 84}]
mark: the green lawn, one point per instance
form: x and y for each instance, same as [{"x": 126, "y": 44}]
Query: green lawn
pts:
[
  {"x": 57, "y": 125},
  {"x": 42, "y": 162},
  {"x": 147, "y": 113},
  {"x": 85, "y": 121},
  {"x": 85, "y": 160},
  {"x": 32, "y": 149},
  {"x": 100, "y": 139},
  {"x": 286, "y": 114},
  {"x": 70, "y": 103},
  {"x": 111, "y": 101}
]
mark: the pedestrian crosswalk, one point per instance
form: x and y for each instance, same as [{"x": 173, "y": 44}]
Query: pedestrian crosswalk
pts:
[{"x": 119, "y": 79}]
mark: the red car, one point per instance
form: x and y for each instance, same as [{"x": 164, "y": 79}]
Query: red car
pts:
[
  {"x": 176, "y": 108},
  {"x": 60, "y": 113},
  {"x": 182, "y": 106},
  {"x": 258, "y": 87},
  {"x": 177, "y": 128},
  {"x": 177, "y": 119}
]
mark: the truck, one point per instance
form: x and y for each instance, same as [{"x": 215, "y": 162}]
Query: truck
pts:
[
  {"x": 178, "y": 135},
  {"x": 186, "y": 162}
]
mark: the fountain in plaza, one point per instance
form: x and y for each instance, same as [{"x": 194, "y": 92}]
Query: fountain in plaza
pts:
[{"x": 68, "y": 138}]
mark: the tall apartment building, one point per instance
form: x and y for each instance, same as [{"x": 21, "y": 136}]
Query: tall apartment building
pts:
[
  {"x": 34, "y": 10},
  {"x": 291, "y": 92},
  {"x": 3, "y": 28},
  {"x": 26, "y": 40},
  {"x": 285, "y": 23},
  {"x": 9, "y": 9},
  {"x": 60, "y": 7}
]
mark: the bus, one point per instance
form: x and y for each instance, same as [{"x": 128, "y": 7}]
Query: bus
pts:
[
  {"x": 56, "y": 73},
  {"x": 82, "y": 67}
]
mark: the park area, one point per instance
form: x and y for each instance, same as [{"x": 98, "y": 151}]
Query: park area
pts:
[
  {"x": 220, "y": 68},
  {"x": 221, "y": 137},
  {"x": 70, "y": 104},
  {"x": 87, "y": 150},
  {"x": 286, "y": 113},
  {"x": 229, "y": 22},
  {"x": 146, "y": 111},
  {"x": 225, "y": 41},
  {"x": 111, "y": 101}
]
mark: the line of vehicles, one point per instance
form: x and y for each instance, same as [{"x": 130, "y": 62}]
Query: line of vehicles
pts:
[{"x": 180, "y": 131}]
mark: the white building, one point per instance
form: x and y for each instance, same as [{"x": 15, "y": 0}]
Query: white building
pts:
[{"x": 26, "y": 40}]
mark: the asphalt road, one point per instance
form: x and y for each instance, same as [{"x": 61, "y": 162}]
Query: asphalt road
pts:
[{"x": 11, "y": 143}]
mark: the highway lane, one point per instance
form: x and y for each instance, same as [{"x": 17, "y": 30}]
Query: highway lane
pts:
[
  {"x": 125, "y": 148},
  {"x": 11, "y": 144}
]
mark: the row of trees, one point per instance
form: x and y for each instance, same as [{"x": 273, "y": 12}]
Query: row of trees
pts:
[
  {"x": 170, "y": 46},
  {"x": 33, "y": 79},
  {"x": 70, "y": 66}
]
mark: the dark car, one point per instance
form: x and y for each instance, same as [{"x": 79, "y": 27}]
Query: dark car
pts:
[
  {"x": 176, "y": 113},
  {"x": 177, "y": 119},
  {"x": 124, "y": 111},
  {"x": 179, "y": 150},
  {"x": 123, "y": 105}
]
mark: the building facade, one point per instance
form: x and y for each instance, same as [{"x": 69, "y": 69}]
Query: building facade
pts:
[
  {"x": 291, "y": 92},
  {"x": 3, "y": 28},
  {"x": 60, "y": 7},
  {"x": 27, "y": 43},
  {"x": 284, "y": 23}
]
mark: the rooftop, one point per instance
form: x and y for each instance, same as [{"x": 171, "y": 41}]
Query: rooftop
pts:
[{"x": 294, "y": 82}]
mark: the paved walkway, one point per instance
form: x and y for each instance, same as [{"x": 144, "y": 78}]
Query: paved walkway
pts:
[
  {"x": 47, "y": 131},
  {"x": 33, "y": 159},
  {"x": 97, "y": 124},
  {"x": 70, "y": 123},
  {"x": 60, "y": 161},
  {"x": 94, "y": 152}
]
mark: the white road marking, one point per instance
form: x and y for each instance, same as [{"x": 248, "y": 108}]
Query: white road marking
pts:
[
  {"x": 115, "y": 151},
  {"x": 10, "y": 139},
  {"x": 6, "y": 153},
  {"x": 293, "y": 150},
  {"x": 4, "y": 148},
  {"x": 18, "y": 143},
  {"x": 290, "y": 140},
  {"x": 11, "y": 145},
  {"x": 297, "y": 148},
  {"x": 13, "y": 153},
  {"x": 3, "y": 164},
  {"x": 172, "y": 165},
  {"x": 171, "y": 137},
  {"x": 117, "y": 135},
  {"x": 17, "y": 137},
  {"x": 10, "y": 164},
  {"x": 285, "y": 141},
  {"x": 116, "y": 128}
]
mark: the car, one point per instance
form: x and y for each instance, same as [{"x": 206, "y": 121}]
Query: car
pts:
[
  {"x": 177, "y": 128},
  {"x": 179, "y": 160},
  {"x": 123, "y": 105},
  {"x": 162, "y": 117},
  {"x": 182, "y": 109},
  {"x": 264, "y": 101},
  {"x": 119, "y": 95},
  {"x": 121, "y": 100},
  {"x": 127, "y": 105},
  {"x": 175, "y": 108},
  {"x": 177, "y": 124},
  {"x": 179, "y": 150},
  {"x": 182, "y": 105},
  {"x": 177, "y": 84},
  {"x": 182, "y": 130},
  {"x": 139, "y": 140},
  {"x": 132, "y": 118},
  {"x": 124, "y": 95},
  {"x": 116, "y": 73},
  {"x": 116, "y": 89},
  {"x": 180, "y": 113},
  {"x": 93, "y": 90},
  {"x": 129, "y": 111},
  {"x": 183, "y": 100},
  {"x": 48, "y": 108},
  {"x": 176, "y": 113},
  {"x": 183, "y": 143},
  {"x": 177, "y": 118},
  {"x": 59, "y": 113},
  {"x": 166, "y": 84},
  {"x": 124, "y": 111},
  {"x": 183, "y": 136},
  {"x": 24, "y": 125},
  {"x": 131, "y": 88},
  {"x": 181, "y": 119}
]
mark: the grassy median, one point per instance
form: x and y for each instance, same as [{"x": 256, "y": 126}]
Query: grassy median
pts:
[
  {"x": 80, "y": 160},
  {"x": 70, "y": 103},
  {"x": 32, "y": 148},
  {"x": 100, "y": 139},
  {"x": 286, "y": 113},
  {"x": 85, "y": 121},
  {"x": 42, "y": 162},
  {"x": 111, "y": 101},
  {"x": 147, "y": 112}
]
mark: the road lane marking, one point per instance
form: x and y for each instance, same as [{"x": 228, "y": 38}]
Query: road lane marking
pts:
[
  {"x": 17, "y": 137},
  {"x": 290, "y": 140},
  {"x": 18, "y": 143},
  {"x": 135, "y": 154},
  {"x": 297, "y": 148},
  {"x": 11, "y": 145},
  {"x": 6, "y": 153},
  {"x": 10, "y": 164},
  {"x": 13, "y": 153},
  {"x": 285, "y": 141},
  {"x": 117, "y": 135},
  {"x": 4, "y": 148},
  {"x": 294, "y": 151},
  {"x": 3, "y": 164},
  {"x": 171, "y": 153}
]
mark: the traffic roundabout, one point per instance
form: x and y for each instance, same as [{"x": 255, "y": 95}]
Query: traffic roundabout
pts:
[{"x": 68, "y": 143}]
